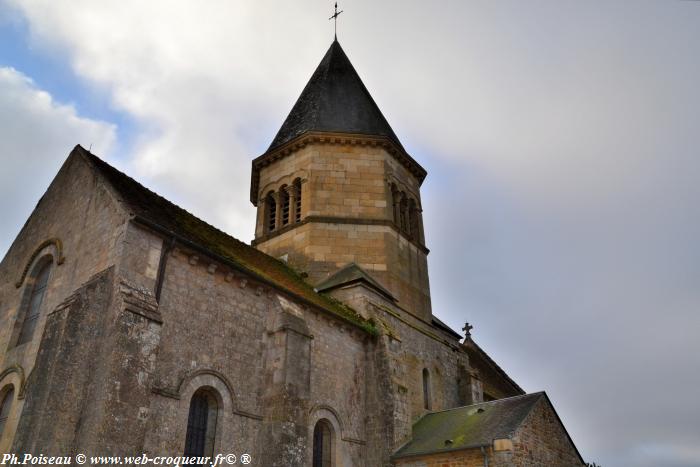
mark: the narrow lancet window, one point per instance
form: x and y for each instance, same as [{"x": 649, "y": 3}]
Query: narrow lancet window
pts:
[
  {"x": 395, "y": 201},
  {"x": 271, "y": 214},
  {"x": 414, "y": 223},
  {"x": 5, "y": 408},
  {"x": 201, "y": 425},
  {"x": 322, "y": 445},
  {"x": 403, "y": 208},
  {"x": 426, "y": 389},
  {"x": 297, "y": 200},
  {"x": 284, "y": 201},
  {"x": 33, "y": 309}
]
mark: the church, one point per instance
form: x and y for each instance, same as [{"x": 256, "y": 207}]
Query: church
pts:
[{"x": 131, "y": 327}]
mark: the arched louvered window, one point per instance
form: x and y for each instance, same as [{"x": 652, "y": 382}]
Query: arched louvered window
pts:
[
  {"x": 285, "y": 204},
  {"x": 5, "y": 407},
  {"x": 297, "y": 199},
  {"x": 323, "y": 444},
  {"x": 426, "y": 389},
  {"x": 32, "y": 310},
  {"x": 201, "y": 424},
  {"x": 270, "y": 212}
]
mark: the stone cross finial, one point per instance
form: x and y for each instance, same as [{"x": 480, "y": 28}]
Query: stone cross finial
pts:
[{"x": 467, "y": 329}]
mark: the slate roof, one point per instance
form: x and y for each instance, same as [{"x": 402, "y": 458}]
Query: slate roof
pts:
[
  {"x": 469, "y": 427},
  {"x": 351, "y": 274},
  {"x": 335, "y": 100},
  {"x": 160, "y": 214}
]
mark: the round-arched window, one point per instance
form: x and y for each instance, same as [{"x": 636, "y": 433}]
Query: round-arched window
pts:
[
  {"x": 201, "y": 424},
  {"x": 323, "y": 444},
  {"x": 5, "y": 407},
  {"x": 32, "y": 310}
]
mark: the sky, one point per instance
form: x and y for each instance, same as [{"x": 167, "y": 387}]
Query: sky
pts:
[{"x": 561, "y": 140}]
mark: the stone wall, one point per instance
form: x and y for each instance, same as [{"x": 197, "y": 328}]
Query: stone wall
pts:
[
  {"x": 278, "y": 366},
  {"x": 463, "y": 458},
  {"x": 76, "y": 225},
  {"x": 408, "y": 347},
  {"x": 137, "y": 323},
  {"x": 89, "y": 390},
  {"x": 491, "y": 384},
  {"x": 347, "y": 215},
  {"x": 542, "y": 440}
]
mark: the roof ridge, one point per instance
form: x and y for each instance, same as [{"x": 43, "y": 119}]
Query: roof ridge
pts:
[
  {"x": 531, "y": 394},
  {"x": 167, "y": 218},
  {"x": 470, "y": 340},
  {"x": 93, "y": 158}
]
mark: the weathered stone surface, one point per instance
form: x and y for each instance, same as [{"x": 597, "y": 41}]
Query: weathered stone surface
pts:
[
  {"x": 347, "y": 215},
  {"x": 137, "y": 320}
]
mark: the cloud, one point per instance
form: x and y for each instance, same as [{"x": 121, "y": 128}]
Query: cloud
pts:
[
  {"x": 185, "y": 77},
  {"x": 36, "y": 135},
  {"x": 561, "y": 143}
]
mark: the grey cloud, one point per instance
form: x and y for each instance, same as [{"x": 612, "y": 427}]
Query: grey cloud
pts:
[
  {"x": 36, "y": 134},
  {"x": 561, "y": 142}
]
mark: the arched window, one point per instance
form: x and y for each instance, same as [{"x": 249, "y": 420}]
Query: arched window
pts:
[
  {"x": 33, "y": 307},
  {"x": 413, "y": 227},
  {"x": 323, "y": 444},
  {"x": 5, "y": 407},
  {"x": 403, "y": 208},
  {"x": 395, "y": 204},
  {"x": 297, "y": 199},
  {"x": 426, "y": 389},
  {"x": 201, "y": 424},
  {"x": 271, "y": 212},
  {"x": 284, "y": 202}
]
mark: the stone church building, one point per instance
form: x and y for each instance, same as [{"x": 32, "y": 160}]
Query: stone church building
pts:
[{"x": 129, "y": 326}]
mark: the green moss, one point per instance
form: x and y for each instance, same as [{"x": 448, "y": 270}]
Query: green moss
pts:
[{"x": 173, "y": 219}]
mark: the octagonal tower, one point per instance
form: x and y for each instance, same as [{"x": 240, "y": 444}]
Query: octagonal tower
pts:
[{"x": 337, "y": 194}]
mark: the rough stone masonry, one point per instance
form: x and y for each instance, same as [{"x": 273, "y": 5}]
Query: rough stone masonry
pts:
[{"x": 130, "y": 327}]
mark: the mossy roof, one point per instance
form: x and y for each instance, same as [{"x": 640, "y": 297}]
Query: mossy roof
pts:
[
  {"x": 469, "y": 427},
  {"x": 170, "y": 218}
]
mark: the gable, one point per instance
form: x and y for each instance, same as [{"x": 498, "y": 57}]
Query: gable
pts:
[
  {"x": 468, "y": 427},
  {"x": 171, "y": 221}
]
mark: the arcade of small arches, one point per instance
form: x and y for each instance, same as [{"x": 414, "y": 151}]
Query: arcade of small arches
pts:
[
  {"x": 407, "y": 214},
  {"x": 283, "y": 207}
]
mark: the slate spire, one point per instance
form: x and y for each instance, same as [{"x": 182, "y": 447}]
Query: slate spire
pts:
[{"x": 334, "y": 100}]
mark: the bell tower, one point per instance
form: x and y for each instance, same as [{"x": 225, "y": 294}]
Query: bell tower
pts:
[{"x": 336, "y": 190}]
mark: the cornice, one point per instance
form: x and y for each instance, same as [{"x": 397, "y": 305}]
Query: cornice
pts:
[{"x": 338, "y": 220}]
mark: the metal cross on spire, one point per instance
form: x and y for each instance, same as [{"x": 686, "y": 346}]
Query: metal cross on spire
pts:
[{"x": 335, "y": 20}]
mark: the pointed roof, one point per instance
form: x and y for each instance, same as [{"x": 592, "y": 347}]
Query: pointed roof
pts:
[
  {"x": 352, "y": 274},
  {"x": 334, "y": 100},
  {"x": 469, "y": 427},
  {"x": 475, "y": 426}
]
